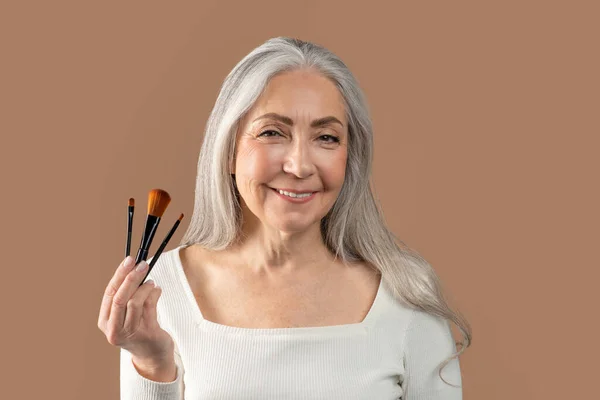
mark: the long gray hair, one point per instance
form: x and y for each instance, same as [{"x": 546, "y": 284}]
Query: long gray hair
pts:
[{"x": 354, "y": 228}]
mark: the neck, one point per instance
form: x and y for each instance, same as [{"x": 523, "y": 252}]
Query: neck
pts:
[{"x": 264, "y": 250}]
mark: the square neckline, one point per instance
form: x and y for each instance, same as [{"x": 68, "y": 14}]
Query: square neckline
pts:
[{"x": 206, "y": 325}]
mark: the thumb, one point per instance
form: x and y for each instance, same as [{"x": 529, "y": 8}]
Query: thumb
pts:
[{"x": 151, "y": 304}]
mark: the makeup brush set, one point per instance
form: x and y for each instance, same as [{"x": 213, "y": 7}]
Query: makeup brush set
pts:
[{"x": 158, "y": 201}]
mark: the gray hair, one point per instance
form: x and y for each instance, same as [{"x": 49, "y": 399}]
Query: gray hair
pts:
[{"x": 354, "y": 229}]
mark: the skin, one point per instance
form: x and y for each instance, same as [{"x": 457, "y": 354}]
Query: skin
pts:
[{"x": 273, "y": 154}]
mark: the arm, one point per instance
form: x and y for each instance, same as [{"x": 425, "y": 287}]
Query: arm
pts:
[
  {"x": 138, "y": 384},
  {"x": 428, "y": 342},
  {"x": 135, "y": 386}
]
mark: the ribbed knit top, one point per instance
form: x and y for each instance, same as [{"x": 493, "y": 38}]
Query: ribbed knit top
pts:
[{"x": 394, "y": 353}]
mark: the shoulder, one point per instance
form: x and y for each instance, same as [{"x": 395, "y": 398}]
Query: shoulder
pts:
[
  {"x": 193, "y": 256},
  {"x": 164, "y": 270},
  {"x": 426, "y": 324},
  {"x": 420, "y": 319},
  {"x": 427, "y": 332}
]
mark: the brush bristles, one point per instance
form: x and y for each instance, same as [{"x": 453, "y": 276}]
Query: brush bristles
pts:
[
  {"x": 131, "y": 202},
  {"x": 180, "y": 217},
  {"x": 158, "y": 201}
]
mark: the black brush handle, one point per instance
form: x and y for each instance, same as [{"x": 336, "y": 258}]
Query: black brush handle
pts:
[
  {"x": 129, "y": 228},
  {"x": 163, "y": 245},
  {"x": 160, "y": 250},
  {"x": 142, "y": 254},
  {"x": 152, "y": 222}
]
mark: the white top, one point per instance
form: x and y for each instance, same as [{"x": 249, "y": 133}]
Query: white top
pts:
[{"x": 392, "y": 354}]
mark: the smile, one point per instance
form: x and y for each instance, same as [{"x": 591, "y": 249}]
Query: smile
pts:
[{"x": 294, "y": 198}]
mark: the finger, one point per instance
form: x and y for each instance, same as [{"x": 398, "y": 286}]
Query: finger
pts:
[
  {"x": 135, "y": 308},
  {"x": 125, "y": 292},
  {"x": 111, "y": 289},
  {"x": 150, "y": 306}
]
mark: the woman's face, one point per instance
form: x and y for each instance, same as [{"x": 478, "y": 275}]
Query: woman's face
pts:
[{"x": 301, "y": 145}]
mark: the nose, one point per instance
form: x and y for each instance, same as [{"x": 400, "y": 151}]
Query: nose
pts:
[{"x": 298, "y": 160}]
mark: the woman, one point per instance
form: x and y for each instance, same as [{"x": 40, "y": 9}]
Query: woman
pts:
[{"x": 287, "y": 284}]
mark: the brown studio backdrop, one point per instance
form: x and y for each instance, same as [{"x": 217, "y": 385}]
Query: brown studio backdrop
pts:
[{"x": 486, "y": 149}]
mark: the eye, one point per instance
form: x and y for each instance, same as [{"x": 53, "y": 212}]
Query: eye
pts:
[
  {"x": 334, "y": 139},
  {"x": 262, "y": 133}
]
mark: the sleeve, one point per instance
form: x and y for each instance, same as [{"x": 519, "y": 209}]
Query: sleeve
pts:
[
  {"x": 428, "y": 342},
  {"x": 136, "y": 387}
]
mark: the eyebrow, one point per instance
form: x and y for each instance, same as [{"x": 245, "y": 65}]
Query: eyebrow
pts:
[{"x": 288, "y": 121}]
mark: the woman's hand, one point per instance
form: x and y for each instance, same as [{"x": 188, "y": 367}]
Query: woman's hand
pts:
[{"x": 128, "y": 318}]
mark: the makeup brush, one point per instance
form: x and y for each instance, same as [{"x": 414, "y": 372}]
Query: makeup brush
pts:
[
  {"x": 161, "y": 248},
  {"x": 158, "y": 200},
  {"x": 129, "y": 225}
]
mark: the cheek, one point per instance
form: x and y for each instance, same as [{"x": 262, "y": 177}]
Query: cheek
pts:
[
  {"x": 256, "y": 166},
  {"x": 334, "y": 170},
  {"x": 252, "y": 159}
]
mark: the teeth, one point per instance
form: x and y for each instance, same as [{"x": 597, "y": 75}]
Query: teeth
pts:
[{"x": 298, "y": 196}]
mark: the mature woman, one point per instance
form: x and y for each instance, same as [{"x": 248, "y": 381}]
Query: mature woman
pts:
[{"x": 287, "y": 283}]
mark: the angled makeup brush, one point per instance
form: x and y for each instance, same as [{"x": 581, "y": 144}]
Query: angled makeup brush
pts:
[
  {"x": 161, "y": 248},
  {"x": 158, "y": 201},
  {"x": 129, "y": 225}
]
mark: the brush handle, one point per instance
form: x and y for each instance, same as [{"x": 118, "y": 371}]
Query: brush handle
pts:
[
  {"x": 128, "y": 246},
  {"x": 152, "y": 222},
  {"x": 142, "y": 254},
  {"x": 163, "y": 245},
  {"x": 160, "y": 249},
  {"x": 129, "y": 228}
]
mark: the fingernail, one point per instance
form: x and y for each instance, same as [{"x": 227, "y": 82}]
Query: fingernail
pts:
[
  {"x": 141, "y": 266},
  {"x": 150, "y": 282},
  {"x": 127, "y": 262}
]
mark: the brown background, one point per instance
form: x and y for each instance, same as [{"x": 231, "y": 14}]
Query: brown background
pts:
[{"x": 486, "y": 161}]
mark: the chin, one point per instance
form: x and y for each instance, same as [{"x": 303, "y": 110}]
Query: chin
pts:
[{"x": 291, "y": 226}]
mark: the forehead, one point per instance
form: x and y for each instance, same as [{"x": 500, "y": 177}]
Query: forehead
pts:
[{"x": 301, "y": 95}]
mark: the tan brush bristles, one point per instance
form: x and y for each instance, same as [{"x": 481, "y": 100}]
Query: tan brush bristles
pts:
[
  {"x": 158, "y": 201},
  {"x": 180, "y": 217},
  {"x": 131, "y": 202}
]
